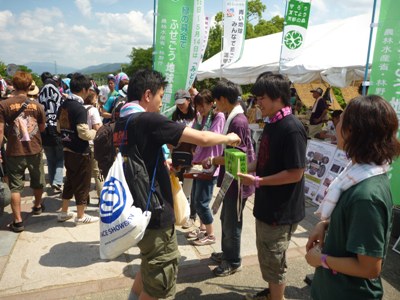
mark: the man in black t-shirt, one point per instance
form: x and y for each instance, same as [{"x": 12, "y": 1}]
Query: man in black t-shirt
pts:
[
  {"x": 75, "y": 134},
  {"x": 149, "y": 131},
  {"x": 279, "y": 198}
]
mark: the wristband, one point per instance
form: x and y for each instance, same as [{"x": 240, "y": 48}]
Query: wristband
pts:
[
  {"x": 257, "y": 182},
  {"x": 325, "y": 264}
]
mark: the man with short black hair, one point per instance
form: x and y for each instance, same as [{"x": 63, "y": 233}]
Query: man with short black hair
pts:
[
  {"x": 279, "y": 200},
  {"x": 75, "y": 134},
  {"x": 226, "y": 94},
  {"x": 148, "y": 131}
]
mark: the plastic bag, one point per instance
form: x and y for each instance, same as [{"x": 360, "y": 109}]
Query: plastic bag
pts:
[
  {"x": 122, "y": 225},
  {"x": 181, "y": 204},
  {"x": 5, "y": 195}
]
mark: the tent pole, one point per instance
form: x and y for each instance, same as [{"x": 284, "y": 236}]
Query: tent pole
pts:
[
  {"x": 364, "y": 89},
  {"x": 222, "y": 42},
  {"x": 154, "y": 31}
]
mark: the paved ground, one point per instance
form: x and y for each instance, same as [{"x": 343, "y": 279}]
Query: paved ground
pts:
[{"x": 52, "y": 260}]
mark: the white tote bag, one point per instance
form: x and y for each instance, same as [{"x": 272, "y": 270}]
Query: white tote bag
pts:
[{"x": 122, "y": 225}]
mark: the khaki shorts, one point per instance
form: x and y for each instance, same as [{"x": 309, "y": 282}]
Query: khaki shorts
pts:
[
  {"x": 160, "y": 257},
  {"x": 314, "y": 129},
  {"x": 272, "y": 243},
  {"x": 16, "y": 166}
]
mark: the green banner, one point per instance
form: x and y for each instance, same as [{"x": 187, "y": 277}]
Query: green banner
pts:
[
  {"x": 385, "y": 72},
  {"x": 298, "y": 13},
  {"x": 295, "y": 30},
  {"x": 178, "y": 42}
]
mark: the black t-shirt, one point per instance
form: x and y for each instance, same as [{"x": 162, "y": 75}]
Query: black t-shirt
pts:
[
  {"x": 321, "y": 107},
  {"x": 70, "y": 114},
  {"x": 149, "y": 131},
  {"x": 283, "y": 146}
]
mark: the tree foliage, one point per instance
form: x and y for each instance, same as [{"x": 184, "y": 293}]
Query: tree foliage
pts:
[{"x": 140, "y": 59}]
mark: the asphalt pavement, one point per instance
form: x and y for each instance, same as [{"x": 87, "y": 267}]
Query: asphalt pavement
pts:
[{"x": 52, "y": 260}]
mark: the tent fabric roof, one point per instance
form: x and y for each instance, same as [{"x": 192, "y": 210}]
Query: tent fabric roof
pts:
[{"x": 334, "y": 52}]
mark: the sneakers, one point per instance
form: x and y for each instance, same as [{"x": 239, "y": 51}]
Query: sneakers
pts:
[
  {"x": 217, "y": 257},
  {"x": 57, "y": 188},
  {"x": 17, "y": 226},
  {"x": 196, "y": 234},
  {"x": 189, "y": 223},
  {"x": 38, "y": 210},
  {"x": 262, "y": 295},
  {"x": 86, "y": 219},
  {"x": 64, "y": 216},
  {"x": 205, "y": 240},
  {"x": 225, "y": 269}
]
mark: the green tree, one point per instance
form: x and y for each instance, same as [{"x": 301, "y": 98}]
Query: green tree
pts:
[
  {"x": 140, "y": 59},
  {"x": 255, "y": 9},
  {"x": 3, "y": 68}
]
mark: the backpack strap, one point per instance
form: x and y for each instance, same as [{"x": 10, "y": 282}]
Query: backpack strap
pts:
[
  {"x": 152, "y": 188},
  {"x": 20, "y": 110}
]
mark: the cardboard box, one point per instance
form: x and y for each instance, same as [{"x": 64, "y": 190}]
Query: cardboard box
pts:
[{"x": 235, "y": 161}]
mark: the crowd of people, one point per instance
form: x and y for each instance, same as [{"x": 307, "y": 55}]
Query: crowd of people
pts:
[{"x": 347, "y": 247}]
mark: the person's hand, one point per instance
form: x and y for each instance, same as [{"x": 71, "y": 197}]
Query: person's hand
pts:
[
  {"x": 313, "y": 256},
  {"x": 317, "y": 236},
  {"x": 206, "y": 163},
  {"x": 246, "y": 179},
  {"x": 168, "y": 164},
  {"x": 233, "y": 139}
]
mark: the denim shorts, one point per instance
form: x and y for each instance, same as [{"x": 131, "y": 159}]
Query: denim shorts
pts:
[
  {"x": 272, "y": 243},
  {"x": 16, "y": 166},
  {"x": 160, "y": 257}
]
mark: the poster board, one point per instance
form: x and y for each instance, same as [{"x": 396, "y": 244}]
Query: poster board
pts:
[
  {"x": 324, "y": 162},
  {"x": 396, "y": 247}
]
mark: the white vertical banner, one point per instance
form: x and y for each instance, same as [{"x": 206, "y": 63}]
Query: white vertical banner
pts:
[
  {"x": 199, "y": 41},
  {"x": 206, "y": 35},
  {"x": 295, "y": 30},
  {"x": 235, "y": 16}
]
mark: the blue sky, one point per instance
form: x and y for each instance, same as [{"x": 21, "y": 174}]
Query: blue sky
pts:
[{"x": 80, "y": 33}]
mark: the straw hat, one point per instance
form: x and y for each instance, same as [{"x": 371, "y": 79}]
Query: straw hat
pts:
[{"x": 33, "y": 89}]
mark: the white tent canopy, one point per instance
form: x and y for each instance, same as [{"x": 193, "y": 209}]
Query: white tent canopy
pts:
[{"x": 335, "y": 52}]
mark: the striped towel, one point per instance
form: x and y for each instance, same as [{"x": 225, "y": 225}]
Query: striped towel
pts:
[{"x": 351, "y": 175}]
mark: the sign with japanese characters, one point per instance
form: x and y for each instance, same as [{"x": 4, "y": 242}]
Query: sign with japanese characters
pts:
[
  {"x": 178, "y": 44},
  {"x": 235, "y": 16},
  {"x": 385, "y": 72},
  {"x": 324, "y": 162},
  {"x": 294, "y": 33}
]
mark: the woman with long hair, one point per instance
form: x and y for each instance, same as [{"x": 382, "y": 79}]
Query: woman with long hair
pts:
[{"x": 203, "y": 186}]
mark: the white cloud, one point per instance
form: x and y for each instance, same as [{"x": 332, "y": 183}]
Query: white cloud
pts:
[
  {"x": 5, "y": 18},
  {"x": 80, "y": 29},
  {"x": 85, "y": 7}
]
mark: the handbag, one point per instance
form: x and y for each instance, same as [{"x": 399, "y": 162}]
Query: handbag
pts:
[
  {"x": 122, "y": 224},
  {"x": 181, "y": 204},
  {"x": 181, "y": 159}
]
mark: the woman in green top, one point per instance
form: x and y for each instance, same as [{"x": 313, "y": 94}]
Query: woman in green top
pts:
[{"x": 349, "y": 245}]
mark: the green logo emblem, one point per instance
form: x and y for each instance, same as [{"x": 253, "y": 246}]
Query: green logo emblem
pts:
[{"x": 293, "y": 39}]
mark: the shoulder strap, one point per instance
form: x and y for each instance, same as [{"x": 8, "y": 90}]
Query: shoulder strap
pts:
[
  {"x": 125, "y": 129},
  {"x": 152, "y": 188},
  {"x": 20, "y": 111}
]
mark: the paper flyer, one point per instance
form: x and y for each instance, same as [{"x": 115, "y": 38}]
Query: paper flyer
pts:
[
  {"x": 319, "y": 157},
  {"x": 339, "y": 162}
]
